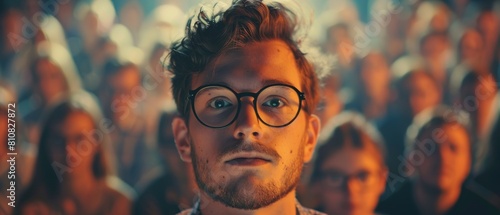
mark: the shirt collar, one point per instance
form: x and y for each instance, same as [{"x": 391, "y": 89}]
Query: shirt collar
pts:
[{"x": 300, "y": 210}]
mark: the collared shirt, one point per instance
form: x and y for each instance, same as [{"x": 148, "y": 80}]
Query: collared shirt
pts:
[{"x": 300, "y": 210}]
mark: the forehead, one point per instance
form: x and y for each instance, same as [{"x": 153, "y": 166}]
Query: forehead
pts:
[
  {"x": 76, "y": 122},
  {"x": 456, "y": 134},
  {"x": 419, "y": 79},
  {"x": 452, "y": 133},
  {"x": 350, "y": 160},
  {"x": 127, "y": 76},
  {"x": 252, "y": 67}
]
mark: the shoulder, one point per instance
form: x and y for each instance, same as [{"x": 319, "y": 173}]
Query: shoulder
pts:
[
  {"x": 301, "y": 210},
  {"x": 119, "y": 189},
  {"x": 401, "y": 201},
  {"x": 156, "y": 197},
  {"x": 471, "y": 200},
  {"x": 119, "y": 196}
]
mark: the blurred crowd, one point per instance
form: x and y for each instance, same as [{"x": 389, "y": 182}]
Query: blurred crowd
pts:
[{"x": 409, "y": 106}]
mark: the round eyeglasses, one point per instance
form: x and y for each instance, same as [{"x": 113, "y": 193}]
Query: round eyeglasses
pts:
[{"x": 218, "y": 106}]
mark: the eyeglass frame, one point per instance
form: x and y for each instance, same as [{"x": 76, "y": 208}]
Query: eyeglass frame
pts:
[
  {"x": 347, "y": 177},
  {"x": 192, "y": 95}
]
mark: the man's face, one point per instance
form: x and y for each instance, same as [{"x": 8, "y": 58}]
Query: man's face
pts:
[
  {"x": 248, "y": 165},
  {"x": 68, "y": 139},
  {"x": 375, "y": 75},
  {"x": 355, "y": 181},
  {"x": 51, "y": 82},
  {"x": 121, "y": 96},
  {"x": 423, "y": 93},
  {"x": 448, "y": 166},
  {"x": 471, "y": 47}
]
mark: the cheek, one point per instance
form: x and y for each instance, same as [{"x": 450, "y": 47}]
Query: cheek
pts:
[
  {"x": 333, "y": 198},
  {"x": 463, "y": 164},
  {"x": 332, "y": 201},
  {"x": 289, "y": 145},
  {"x": 57, "y": 155},
  {"x": 206, "y": 145},
  {"x": 370, "y": 199}
]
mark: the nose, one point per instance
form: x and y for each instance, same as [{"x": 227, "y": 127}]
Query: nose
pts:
[
  {"x": 352, "y": 186},
  {"x": 444, "y": 156},
  {"x": 247, "y": 123}
]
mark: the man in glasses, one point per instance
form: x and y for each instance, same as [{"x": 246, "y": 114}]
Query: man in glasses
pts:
[{"x": 245, "y": 93}]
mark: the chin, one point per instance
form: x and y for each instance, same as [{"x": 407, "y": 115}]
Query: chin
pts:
[{"x": 440, "y": 184}]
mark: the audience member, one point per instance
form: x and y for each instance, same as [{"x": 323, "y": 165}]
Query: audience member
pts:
[
  {"x": 172, "y": 187},
  {"x": 72, "y": 171},
  {"x": 439, "y": 151},
  {"x": 349, "y": 170}
]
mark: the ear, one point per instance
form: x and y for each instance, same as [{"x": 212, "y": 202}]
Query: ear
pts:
[
  {"x": 312, "y": 137},
  {"x": 181, "y": 138}
]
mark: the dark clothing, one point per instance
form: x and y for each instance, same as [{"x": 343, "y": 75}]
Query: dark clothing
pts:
[
  {"x": 393, "y": 130},
  {"x": 135, "y": 157},
  {"x": 156, "y": 198},
  {"x": 402, "y": 203},
  {"x": 489, "y": 177}
]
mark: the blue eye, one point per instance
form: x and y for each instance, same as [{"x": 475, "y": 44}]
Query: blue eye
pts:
[
  {"x": 219, "y": 103},
  {"x": 275, "y": 103}
]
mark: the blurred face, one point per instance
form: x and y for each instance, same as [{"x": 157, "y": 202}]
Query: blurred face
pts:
[
  {"x": 353, "y": 182},
  {"x": 433, "y": 49},
  {"x": 123, "y": 83},
  {"x": 247, "y": 164},
  {"x": 330, "y": 104},
  {"x": 471, "y": 47},
  {"x": 488, "y": 26},
  {"x": 341, "y": 43},
  {"x": 69, "y": 142},
  {"x": 440, "y": 21},
  {"x": 50, "y": 80},
  {"x": 132, "y": 16},
  {"x": 11, "y": 23},
  {"x": 448, "y": 166},
  {"x": 375, "y": 75},
  {"x": 476, "y": 98},
  {"x": 423, "y": 93},
  {"x": 121, "y": 93},
  {"x": 155, "y": 64},
  {"x": 90, "y": 29}
]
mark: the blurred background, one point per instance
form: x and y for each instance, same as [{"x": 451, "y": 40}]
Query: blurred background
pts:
[{"x": 389, "y": 60}]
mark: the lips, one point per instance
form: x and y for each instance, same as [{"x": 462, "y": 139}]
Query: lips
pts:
[
  {"x": 251, "y": 161},
  {"x": 248, "y": 159}
]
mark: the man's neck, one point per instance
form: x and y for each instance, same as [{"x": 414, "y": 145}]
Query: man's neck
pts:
[
  {"x": 433, "y": 201},
  {"x": 286, "y": 205}
]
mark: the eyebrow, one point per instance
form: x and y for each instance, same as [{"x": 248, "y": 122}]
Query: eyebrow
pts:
[
  {"x": 277, "y": 81},
  {"x": 264, "y": 84}
]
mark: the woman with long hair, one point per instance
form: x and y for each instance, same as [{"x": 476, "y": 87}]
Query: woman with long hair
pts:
[{"x": 72, "y": 172}]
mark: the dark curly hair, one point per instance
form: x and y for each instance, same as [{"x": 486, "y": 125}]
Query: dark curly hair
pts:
[{"x": 246, "y": 21}]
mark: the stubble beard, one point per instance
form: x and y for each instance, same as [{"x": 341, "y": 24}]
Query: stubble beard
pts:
[{"x": 243, "y": 191}]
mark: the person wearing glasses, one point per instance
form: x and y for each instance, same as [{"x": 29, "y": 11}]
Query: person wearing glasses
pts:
[
  {"x": 245, "y": 93},
  {"x": 349, "y": 172}
]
